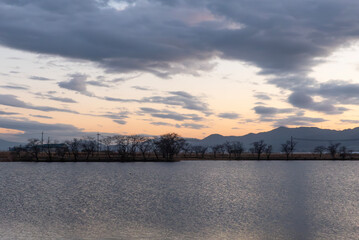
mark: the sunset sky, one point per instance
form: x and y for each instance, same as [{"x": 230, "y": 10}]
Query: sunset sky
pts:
[{"x": 75, "y": 68}]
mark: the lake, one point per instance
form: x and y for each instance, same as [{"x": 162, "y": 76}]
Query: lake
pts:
[{"x": 183, "y": 200}]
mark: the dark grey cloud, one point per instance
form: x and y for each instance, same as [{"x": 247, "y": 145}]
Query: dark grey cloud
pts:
[
  {"x": 175, "y": 98},
  {"x": 262, "y": 96},
  {"x": 303, "y": 100},
  {"x": 142, "y": 88},
  {"x": 40, "y": 78},
  {"x": 33, "y": 126},
  {"x": 193, "y": 125},
  {"x": 40, "y": 116},
  {"x": 297, "y": 121},
  {"x": 182, "y": 99},
  {"x": 304, "y": 89},
  {"x": 350, "y": 121},
  {"x": 166, "y": 114},
  {"x": 168, "y": 37},
  {"x": 13, "y": 87},
  {"x": 62, "y": 99},
  {"x": 229, "y": 115},
  {"x": 261, "y": 110},
  {"x": 50, "y": 95},
  {"x": 7, "y": 113},
  {"x": 120, "y": 121},
  {"x": 183, "y": 125},
  {"x": 161, "y": 124},
  {"x": 12, "y": 101},
  {"x": 76, "y": 83},
  {"x": 97, "y": 84}
]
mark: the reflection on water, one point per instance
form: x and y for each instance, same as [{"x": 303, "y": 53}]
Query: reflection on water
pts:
[{"x": 185, "y": 200}]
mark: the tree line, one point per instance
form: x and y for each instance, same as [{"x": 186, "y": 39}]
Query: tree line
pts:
[{"x": 167, "y": 147}]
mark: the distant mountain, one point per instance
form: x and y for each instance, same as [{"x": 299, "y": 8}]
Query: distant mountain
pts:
[
  {"x": 4, "y": 145},
  {"x": 309, "y": 137}
]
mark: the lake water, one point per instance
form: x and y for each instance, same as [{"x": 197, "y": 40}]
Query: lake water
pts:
[{"x": 182, "y": 200}]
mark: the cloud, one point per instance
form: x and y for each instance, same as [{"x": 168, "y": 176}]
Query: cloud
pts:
[
  {"x": 33, "y": 126},
  {"x": 229, "y": 115},
  {"x": 262, "y": 96},
  {"x": 7, "y": 113},
  {"x": 14, "y": 87},
  {"x": 261, "y": 110},
  {"x": 39, "y": 78},
  {"x": 76, "y": 83},
  {"x": 120, "y": 121},
  {"x": 193, "y": 125},
  {"x": 166, "y": 114},
  {"x": 181, "y": 98},
  {"x": 349, "y": 121},
  {"x": 161, "y": 124},
  {"x": 176, "y": 98},
  {"x": 12, "y": 101},
  {"x": 142, "y": 88},
  {"x": 303, "y": 100},
  {"x": 40, "y": 116},
  {"x": 279, "y": 37},
  {"x": 49, "y": 95},
  {"x": 297, "y": 121}
]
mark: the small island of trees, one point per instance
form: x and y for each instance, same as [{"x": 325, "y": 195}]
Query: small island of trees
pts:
[{"x": 167, "y": 147}]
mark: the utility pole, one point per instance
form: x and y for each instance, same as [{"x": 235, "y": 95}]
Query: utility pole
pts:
[
  {"x": 98, "y": 144},
  {"x": 42, "y": 141}
]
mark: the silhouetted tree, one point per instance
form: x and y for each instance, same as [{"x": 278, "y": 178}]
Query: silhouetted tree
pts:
[
  {"x": 123, "y": 144},
  {"x": 200, "y": 150},
  {"x": 170, "y": 144},
  {"x": 229, "y": 148},
  {"x": 333, "y": 148},
  {"x": 74, "y": 147},
  {"x": 258, "y": 148},
  {"x": 319, "y": 150},
  {"x": 219, "y": 148},
  {"x": 268, "y": 151},
  {"x": 34, "y": 147},
  {"x": 187, "y": 148},
  {"x": 49, "y": 149},
  {"x": 344, "y": 152},
  {"x": 89, "y": 146},
  {"x": 145, "y": 147},
  {"x": 108, "y": 142},
  {"x": 62, "y": 150},
  {"x": 288, "y": 148},
  {"x": 237, "y": 149}
]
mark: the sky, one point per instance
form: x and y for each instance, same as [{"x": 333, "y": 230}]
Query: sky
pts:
[{"x": 74, "y": 68}]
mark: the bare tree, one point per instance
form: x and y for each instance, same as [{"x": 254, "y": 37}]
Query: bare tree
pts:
[
  {"x": 333, "y": 149},
  {"x": 49, "y": 149},
  {"x": 237, "y": 149},
  {"x": 123, "y": 144},
  {"x": 268, "y": 151},
  {"x": 34, "y": 147},
  {"x": 288, "y": 148},
  {"x": 344, "y": 152},
  {"x": 145, "y": 147},
  {"x": 89, "y": 146},
  {"x": 200, "y": 150},
  {"x": 170, "y": 144},
  {"x": 187, "y": 148},
  {"x": 229, "y": 148},
  {"x": 217, "y": 149},
  {"x": 61, "y": 150},
  {"x": 108, "y": 142},
  {"x": 74, "y": 147},
  {"x": 319, "y": 150},
  {"x": 258, "y": 148}
]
